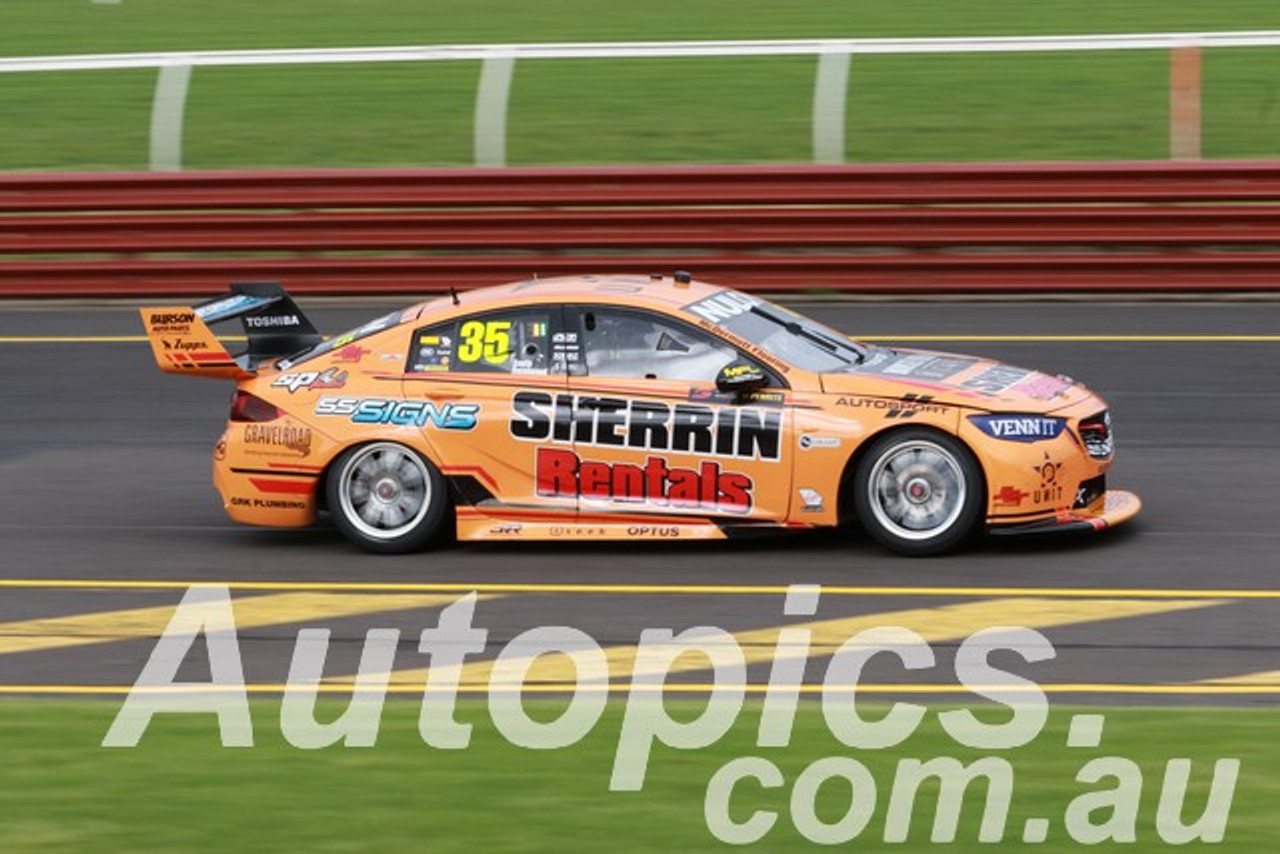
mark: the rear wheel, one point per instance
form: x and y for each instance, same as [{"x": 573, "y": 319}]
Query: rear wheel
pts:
[
  {"x": 387, "y": 497},
  {"x": 919, "y": 492}
]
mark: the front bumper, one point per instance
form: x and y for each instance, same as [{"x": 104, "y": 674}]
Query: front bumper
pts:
[{"x": 1117, "y": 506}]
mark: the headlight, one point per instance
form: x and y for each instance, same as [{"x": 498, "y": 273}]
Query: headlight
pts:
[{"x": 1095, "y": 432}]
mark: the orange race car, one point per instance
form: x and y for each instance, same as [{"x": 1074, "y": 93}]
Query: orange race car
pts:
[{"x": 624, "y": 408}]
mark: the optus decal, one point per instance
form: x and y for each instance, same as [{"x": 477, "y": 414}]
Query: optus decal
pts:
[{"x": 563, "y": 474}]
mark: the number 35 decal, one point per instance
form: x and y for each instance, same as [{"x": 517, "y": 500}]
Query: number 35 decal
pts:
[{"x": 488, "y": 340}]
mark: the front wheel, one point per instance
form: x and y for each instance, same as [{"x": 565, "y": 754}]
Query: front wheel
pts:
[
  {"x": 387, "y": 497},
  {"x": 919, "y": 492}
]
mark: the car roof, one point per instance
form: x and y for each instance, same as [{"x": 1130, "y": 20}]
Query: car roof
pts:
[{"x": 657, "y": 291}]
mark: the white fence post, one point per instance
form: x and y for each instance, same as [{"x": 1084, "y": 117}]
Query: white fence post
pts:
[
  {"x": 498, "y": 62},
  {"x": 490, "y": 137},
  {"x": 1184, "y": 103},
  {"x": 830, "y": 95},
  {"x": 167, "y": 111}
]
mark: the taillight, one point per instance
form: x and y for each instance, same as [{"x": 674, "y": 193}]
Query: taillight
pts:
[
  {"x": 246, "y": 407},
  {"x": 1095, "y": 432}
]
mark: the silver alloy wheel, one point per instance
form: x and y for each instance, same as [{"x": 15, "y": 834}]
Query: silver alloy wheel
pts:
[
  {"x": 384, "y": 490},
  {"x": 916, "y": 490}
]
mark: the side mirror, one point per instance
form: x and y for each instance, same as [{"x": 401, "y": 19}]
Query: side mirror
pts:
[{"x": 740, "y": 378}]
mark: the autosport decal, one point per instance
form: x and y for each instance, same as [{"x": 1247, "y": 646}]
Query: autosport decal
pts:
[
  {"x": 563, "y": 474},
  {"x": 311, "y": 380},
  {"x": 907, "y": 406},
  {"x": 727, "y": 431},
  {"x": 401, "y": 413},
  {"x": 1020, "y": 428}
]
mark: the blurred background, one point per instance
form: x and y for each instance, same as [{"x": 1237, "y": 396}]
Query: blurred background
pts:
[{"x": 744, "y": 109}]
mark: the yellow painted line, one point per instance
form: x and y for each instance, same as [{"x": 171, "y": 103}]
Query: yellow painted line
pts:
[
  {"x": 979, "y": 339},
  {"x": 72, "y": 339},
  {"x": 703, "y": 688},
  {"x": 759, "y": 646},
  {"x": 1265, "y": 678},
  {"x": 631, "y": 589},
  {"x": 91, "y": 339},
  {"x": 138, "y": 623}
]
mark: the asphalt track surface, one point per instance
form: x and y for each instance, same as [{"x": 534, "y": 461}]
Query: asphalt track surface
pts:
[{"x": 107, "y": 514}]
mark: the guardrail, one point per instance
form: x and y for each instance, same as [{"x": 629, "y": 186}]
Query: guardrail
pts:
[
  {"x": 498, "y": 62},
  {"x": 1037, "y": 228}
]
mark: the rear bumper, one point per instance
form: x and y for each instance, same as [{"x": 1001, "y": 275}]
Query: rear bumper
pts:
[
  {"x": 276, "y": 498},
  {"x": 1117, "y": 506}
]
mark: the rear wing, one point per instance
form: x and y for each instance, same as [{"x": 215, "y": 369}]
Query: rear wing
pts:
[{"x": 183, "y": 343}]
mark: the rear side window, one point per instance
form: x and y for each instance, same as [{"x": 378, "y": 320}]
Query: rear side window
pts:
[
  {"x": 504, "y": 342},
  {"x": 344, "y": 340}
]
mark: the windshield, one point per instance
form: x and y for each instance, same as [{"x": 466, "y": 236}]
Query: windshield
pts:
[
  {"x": 339, "y": 341},
  {"x": 792, "y": 337}
]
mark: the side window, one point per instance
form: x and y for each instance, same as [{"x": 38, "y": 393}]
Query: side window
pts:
[
  {"x": 505, "y": 342},
  {"x": 620, "y": 342},
  {"x": 432, "y": 349}
]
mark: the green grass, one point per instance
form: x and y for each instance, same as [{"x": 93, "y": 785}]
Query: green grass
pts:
[
  {"x": 960, "y": 107},
  {"x": 178, "y": 791}
]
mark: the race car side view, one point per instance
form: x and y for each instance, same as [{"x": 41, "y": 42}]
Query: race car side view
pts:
[{"x": 625, "y": 408}]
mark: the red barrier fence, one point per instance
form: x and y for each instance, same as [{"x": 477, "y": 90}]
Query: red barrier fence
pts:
[{"x": 868, "y": 229}]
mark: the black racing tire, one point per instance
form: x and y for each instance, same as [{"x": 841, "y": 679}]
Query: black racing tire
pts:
[
  {"x": 387, "y": 498},
  {"x": 919, "y": 492}
]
